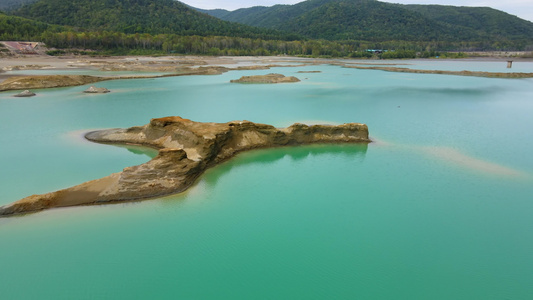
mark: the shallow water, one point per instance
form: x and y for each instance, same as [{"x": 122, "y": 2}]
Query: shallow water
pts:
[{"x": 438, "y": 207}]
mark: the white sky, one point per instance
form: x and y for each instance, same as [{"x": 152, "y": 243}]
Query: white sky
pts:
[{"x": 520, "y": 8}]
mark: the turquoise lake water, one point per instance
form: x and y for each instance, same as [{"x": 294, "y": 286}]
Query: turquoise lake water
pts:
[{"x": 439, "y": 207}]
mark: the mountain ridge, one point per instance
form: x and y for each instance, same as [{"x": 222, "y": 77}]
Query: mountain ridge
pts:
[{"x": 375, "y": 20}]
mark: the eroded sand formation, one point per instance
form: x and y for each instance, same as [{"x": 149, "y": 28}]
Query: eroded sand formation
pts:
[
  {"x": 268, "y": 78},
  {"x": 25, "y": 93},
  {"x": 96, "y": 90},
  {"x": 186, "y": 150}
]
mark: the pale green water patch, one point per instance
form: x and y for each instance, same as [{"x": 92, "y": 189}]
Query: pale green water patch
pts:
[
  {"x": 382, "y": 221},
  {"x": 340, "y": 221}
]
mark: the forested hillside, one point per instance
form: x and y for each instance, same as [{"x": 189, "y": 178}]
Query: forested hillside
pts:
[
  {"x": 379, "y": 21},
  {"x": 217, "y": 13},
  {"x": 368, "y": 20},
  {"x": 138, "y": 16},
  {"x": 333, "y": 28},
  {"x": 16, "y": 28},
  {"x": 11, "y": 4},
  {"x": 484, "y": 20}
]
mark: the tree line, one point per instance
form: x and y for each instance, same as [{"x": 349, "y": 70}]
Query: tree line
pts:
[{"x": 120, "y": 43}]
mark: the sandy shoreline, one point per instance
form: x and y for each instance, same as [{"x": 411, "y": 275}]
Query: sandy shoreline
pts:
[
  {"x": 69, "y": 62},
  {"x": 200, "y": 65},
  {"x": 12, "y": 75},
  {"x": 82, "y": 62}
]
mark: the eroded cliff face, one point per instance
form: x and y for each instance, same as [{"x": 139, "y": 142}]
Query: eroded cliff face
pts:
[{"x": 186, "y": 150}]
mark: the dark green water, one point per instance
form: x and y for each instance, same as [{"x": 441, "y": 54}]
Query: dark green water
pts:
[{"x": 439, "y": 207}]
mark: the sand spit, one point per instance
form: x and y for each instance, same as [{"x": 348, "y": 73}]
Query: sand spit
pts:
[
  {"x": 47, "y": 81},
  {"x": 458, "y": 73},
  {"x": 186, "y": 150},
  {"x": 54, "y": 81},
  {"x": 180, "y": 66}
]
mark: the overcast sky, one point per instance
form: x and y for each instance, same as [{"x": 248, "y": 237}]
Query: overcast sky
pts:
[{"x": 520, "y": 8}]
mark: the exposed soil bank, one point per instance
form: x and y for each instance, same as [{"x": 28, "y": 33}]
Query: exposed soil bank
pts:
[{"x": 186, "y": 150}]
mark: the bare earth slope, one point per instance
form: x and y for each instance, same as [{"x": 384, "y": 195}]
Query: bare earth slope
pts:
[{"x": 186, "y": 150}]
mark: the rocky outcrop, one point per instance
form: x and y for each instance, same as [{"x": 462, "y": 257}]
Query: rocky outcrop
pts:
[
  {"x": 269, "y": 78},
  {"x": 186, "y": 150},
  {"x": 25, "y": 93},
  {"x": 96, "y": 90}
]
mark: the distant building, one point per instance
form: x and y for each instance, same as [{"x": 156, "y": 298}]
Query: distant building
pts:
[{"x": 376, "y": 51}]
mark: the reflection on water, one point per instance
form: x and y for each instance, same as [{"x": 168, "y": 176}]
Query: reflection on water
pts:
[
  {"x": 354, "y": 152},
  {"x": 140, "y": 150}
]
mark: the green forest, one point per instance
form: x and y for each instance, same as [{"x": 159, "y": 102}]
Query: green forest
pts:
[
  {"x": 139, "y": 16},
  {"x": 375, "y": 20},
  {"x": 160, "y": 27}
]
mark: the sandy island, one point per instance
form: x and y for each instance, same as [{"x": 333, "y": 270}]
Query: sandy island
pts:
[
  {"x": 268, "y": 78},
  {"x": 186, "y": 150}
]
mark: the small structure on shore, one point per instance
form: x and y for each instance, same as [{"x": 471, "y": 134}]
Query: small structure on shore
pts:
[
  {"x": 26, "y": 93},
  {"x": 94, "y": 90},
  {"x": 509, "y": 64}
]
